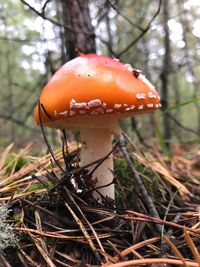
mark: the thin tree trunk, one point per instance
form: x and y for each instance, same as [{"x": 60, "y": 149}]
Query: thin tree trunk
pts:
[
  {"x": 165, "y": 75},
  {"x": 63, "y": 51},
  {"x": 148, "y": 75},
  {"x": 10, "y": 102},
  {"x": 189, "y": 61},
  {"x": 109, "y": 31},
  {"x": 76, "y": 15},
  {"x": 175, "y": 85}
]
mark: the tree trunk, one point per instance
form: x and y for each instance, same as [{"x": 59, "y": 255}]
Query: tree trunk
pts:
[
  {"x": 109, "y": 31},
  {"x": 177, "y": 115},
  {"x": 76, "y": 16},
  {"x": 10, "y": 101},
  {"x": 165, "y": 75},
  {"x": 189, "y": 61}
]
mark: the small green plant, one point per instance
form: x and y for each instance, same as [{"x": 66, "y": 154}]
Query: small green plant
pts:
[
  {"x": 37, "y": 186},
  {"x": 15, "y": 162},
  {"x": 7, "y": 235},
  {"x": 126, "y": 179},
  {"x": 17, "y": 218}
]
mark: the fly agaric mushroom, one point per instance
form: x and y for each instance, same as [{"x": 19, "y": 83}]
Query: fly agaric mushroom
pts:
[{"x": 90, "y": 94}]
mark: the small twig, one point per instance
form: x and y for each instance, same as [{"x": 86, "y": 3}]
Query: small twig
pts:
[
  {"x": 37, "y": 243},
  {"x": 77, "y": 171},
  {"x": 42, "y": 15},
  {"x": 150, "y": 261},
  {"x": 137, "y": 132},
  {"x": 175, "y": 250},
  {"x": 44, "y": 7},
  {"x": 96, "y": 189},
  {"x": 83, "y": 229},
  {"x": 17, "y": 121},
  {"x": 181, "y": 125},
  {"x": 62, "y": 220},
  {"x": 123, "y": 195},
  {"x": 102, "y": 160},
  {"x": 146, "y": 218},
  {"x": 123, "y": 16},
  {"x": 146, "y": 198},
  {"x": 65, "y": 149},
  {"x": 142, "y": 33},
  {"x": 4, "y": 261},
  {"x": 126, "y": 251},
  {"x": 192, "y": 246},
  {"x": 40, "y": 180},
  {"x": 44, "y": 136},
  {"x": 121, "y": 257},
  {"x": 26, "y": 257},
  {"x": 105, "y": 42},
  {"x": 167, "y": 211}
]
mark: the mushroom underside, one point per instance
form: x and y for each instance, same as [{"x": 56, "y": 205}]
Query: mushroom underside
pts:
[{"x": 104, "y": 121}]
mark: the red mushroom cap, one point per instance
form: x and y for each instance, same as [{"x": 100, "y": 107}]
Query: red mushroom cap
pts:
[{"x": 93, "y": 85}]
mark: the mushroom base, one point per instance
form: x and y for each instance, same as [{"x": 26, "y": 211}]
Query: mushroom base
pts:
[{"x": 96, "y": 144}]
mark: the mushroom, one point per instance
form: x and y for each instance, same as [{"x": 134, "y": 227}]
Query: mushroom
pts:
[{"x": 90, "y": 94}]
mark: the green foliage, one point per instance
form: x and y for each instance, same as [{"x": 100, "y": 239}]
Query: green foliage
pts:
[
  {"x": 122, "y": 172},
  {"x": 15, "y": 162},
  {"x": 126, "y": 179},
  {"x": 190, "y": 101},
  {"x": 18, "y": 74},
  {"x": 17, "y": 218},
  {"x": 161, "y": 140},
  {"x": 37, "y": 186}
]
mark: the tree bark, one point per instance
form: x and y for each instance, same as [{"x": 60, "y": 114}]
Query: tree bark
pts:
[
  {"x": 76, "y": 15},
  {"x": 10, "y": 96},
  {"x": 109, "y": 32},
  {"x": 189, "y": 60},
  {"x": 165, "y": 75}
]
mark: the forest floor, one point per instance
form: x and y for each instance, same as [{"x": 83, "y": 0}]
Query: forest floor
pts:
[{"x": 46, "y": 221}]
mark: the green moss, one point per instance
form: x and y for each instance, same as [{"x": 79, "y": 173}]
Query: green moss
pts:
[
  {"x": 15, "y": 162},
  {"x": 17, "y": 217},
  {"x": 126, "y": 179},
  {"x": 37, "y": 186},
  {"x": 50, "y": 184}
]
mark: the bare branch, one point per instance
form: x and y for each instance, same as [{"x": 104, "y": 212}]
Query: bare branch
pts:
[
  {"x": 17, "y": 121},
  {"x": 19, "y": 40},
  {"x": 142, "y": 33},
  {"x": 182, "y": 126},
  {"x": 44, "y": 6},
  {"x": 110, "y": 49},
  {"x": 123, "y": 16},
  {"x": 141, "y": 187},
  {"x": 16, "y": 39},
  {"x": 41, "y": 14}
]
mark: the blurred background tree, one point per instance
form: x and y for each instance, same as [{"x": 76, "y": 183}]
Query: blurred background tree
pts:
[{"x": 162, "y": 38}]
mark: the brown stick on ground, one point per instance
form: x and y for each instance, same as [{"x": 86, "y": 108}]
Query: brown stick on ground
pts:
[{"x": 146, "y": 198}]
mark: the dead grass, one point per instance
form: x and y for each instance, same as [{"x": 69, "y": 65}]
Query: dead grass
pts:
[{"x": 57, "y": 226}]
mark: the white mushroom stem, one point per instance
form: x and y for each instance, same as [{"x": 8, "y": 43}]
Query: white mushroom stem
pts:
[{"x": 96, "y": 144}]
